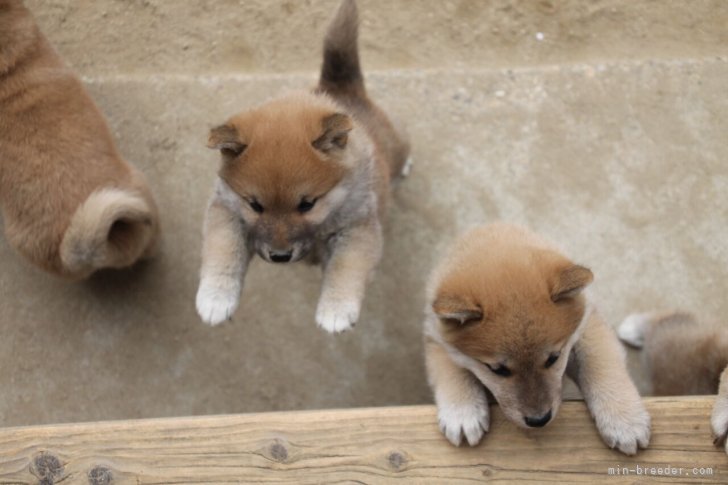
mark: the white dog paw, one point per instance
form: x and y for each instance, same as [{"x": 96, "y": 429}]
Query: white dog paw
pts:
[
  {"x": 719, "y": 421},
  {"x": 407, "y": 167},
  {"x": 337, "y": 315},
  {"x": 626, "y": 429},
  {"x": 215, "y": 304},
  {"x": 470, "y": 420}
]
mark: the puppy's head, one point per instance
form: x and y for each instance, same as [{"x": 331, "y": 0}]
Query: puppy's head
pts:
[
  {"x": 286, "y": 161},
  {"x": 512, "y": 317}
]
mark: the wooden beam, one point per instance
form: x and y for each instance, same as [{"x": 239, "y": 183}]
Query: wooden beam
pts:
[{"x": 376, "y": 445}]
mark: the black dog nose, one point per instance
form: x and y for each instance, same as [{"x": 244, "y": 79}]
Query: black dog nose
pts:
[
  {"x": 538, "y": 422},
  {"x": 281, "y": 256}
]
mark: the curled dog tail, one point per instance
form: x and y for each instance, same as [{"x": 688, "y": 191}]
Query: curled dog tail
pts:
[
  {"x": 637, "y": 328},
  {"x": 632, "y": 330},
  {"x": 113, "y": 228},
  {"x": 341, "y": 72}
]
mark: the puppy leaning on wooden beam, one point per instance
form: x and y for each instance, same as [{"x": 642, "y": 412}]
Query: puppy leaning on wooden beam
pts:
[
  {"x": 70, "y": 203},
  {"x": 507, "y": 312},
  {"x": 304, "y": 176},
  {"x": 684, "y": 355}
]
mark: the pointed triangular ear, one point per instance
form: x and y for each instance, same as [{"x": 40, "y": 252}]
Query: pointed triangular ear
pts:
[
  {"x": 226, "y": 139},
  {"x": 570, "y": 282},
  {"x": 335, "y": 128},
  {"x": 454, "y": 311}
]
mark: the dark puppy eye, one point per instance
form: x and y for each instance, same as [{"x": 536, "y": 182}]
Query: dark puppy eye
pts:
[
  {"x": 255, "y": 205},
  {"x": 552, "y": 359},
  {"x": 500, "y": 370},
  {"x": 232, "y": 152},
  {"x": 306, "y": 205}
]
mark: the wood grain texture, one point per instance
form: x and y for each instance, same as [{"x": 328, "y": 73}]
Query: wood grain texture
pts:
[{"x": 374, "y": 445}]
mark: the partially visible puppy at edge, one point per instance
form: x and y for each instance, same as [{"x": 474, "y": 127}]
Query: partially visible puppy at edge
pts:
[
  {"x": 70, "y": 204},
  {"x": 684, "y": 356},
  {"x": 304, "y": 176},
  {"x": 508, "y": 312}
]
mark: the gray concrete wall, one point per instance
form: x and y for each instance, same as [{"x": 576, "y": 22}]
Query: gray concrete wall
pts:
[
  {"x": 608, "y": 136},
  {"x": 231, "y": 36}
]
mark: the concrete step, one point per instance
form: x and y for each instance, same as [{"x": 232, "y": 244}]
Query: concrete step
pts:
[
  {"x": 623, "y": 163},
  {"x": 216, "y": 36}
]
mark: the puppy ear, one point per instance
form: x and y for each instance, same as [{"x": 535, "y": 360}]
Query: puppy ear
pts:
[
  {"x": 454, "y": 311},
  {"x": 226, "y": 139},
  {"x": 570, "y": 282},
  {"x": 336, "y": 128}
]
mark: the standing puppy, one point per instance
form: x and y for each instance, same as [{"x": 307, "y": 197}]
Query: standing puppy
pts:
[
  {"x": 684, "y": 357},
  {"x": 305, "y": 175},
  {"x": 507, "y": 312},
  {"x": 70, "y": 204}
]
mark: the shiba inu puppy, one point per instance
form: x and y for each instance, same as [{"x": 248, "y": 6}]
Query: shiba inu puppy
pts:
[
  {"x": 507, "y": 312},
  {"x": 70, "y": 203},
  {"x": 684, "y": 357},
  {"x": 304, "y": 176}
]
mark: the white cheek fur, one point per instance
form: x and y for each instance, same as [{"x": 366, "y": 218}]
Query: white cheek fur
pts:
[
  {"x": 326, "y": 204},
  {"x": 230, "y": 199},
  {"x": 227, "y": 196}
]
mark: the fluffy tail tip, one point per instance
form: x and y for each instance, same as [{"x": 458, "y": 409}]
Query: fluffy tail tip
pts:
[
  {"x": 341, "y": 54},
  {"x": 113, "y": 228},
  {"x": 632, "y": 329}
]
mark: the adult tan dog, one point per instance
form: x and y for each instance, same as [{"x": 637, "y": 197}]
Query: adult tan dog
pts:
[
  {"x": 70, "y": 203},
  {"x": 507, "y": 312},
  {"x": 304, "y": 176},
  {"x": 684, "y": 356}
]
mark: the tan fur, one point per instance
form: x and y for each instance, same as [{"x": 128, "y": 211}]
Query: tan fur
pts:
[
  {"x": 277, "y": 173},
  {"x": 457, "y": 393},
  {"x": 70, "y": 204},
  {"x": 100, "y": 234},
  {"x": 341, "y": 78},
  {"x": 331, "y": 148},
  {"x": 505, "y": 300},
  {"x": 685, "y": 356}
]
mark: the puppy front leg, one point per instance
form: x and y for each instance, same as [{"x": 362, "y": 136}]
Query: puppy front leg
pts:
[
  {"x": 354, "y": 254},
  {"x": 225, "y": 259},
  {"x": 598, "y": 368},
  {"x": 719, "y": 418},
  {"x": 462, "y": 406}
]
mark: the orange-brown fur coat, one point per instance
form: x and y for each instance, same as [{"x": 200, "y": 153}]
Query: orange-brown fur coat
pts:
[
  {"x": 70, "y": 203},
  {"x": 304, "y": 176},
  {"x": 684, "y": 356},
  {"x": 507, "y": 313}
]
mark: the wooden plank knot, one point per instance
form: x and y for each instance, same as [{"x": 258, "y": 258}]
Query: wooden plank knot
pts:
[
  {"x": 47, "y": 468},
  {"x": 397, "y": 460},
  {"x": 278, "y": 451},
  {"x": 100, "y": 475}
]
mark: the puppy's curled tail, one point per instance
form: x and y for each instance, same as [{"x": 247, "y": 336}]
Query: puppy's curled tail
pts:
[
  {"x": 112, "y": 228},
  {"x": 637, "y": 328},
  {"x": 341, "y": 72},
  {"x": 633, "y": 328}
]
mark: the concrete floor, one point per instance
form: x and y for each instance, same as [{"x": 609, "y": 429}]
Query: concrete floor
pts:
[{"x": 616, "y": 149}]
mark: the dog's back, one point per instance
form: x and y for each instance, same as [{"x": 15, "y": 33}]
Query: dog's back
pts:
[
  {"x": 684, "y": 356},
  {"x": 70, "y": 203},
  {"x": 342, "y": 79}
]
